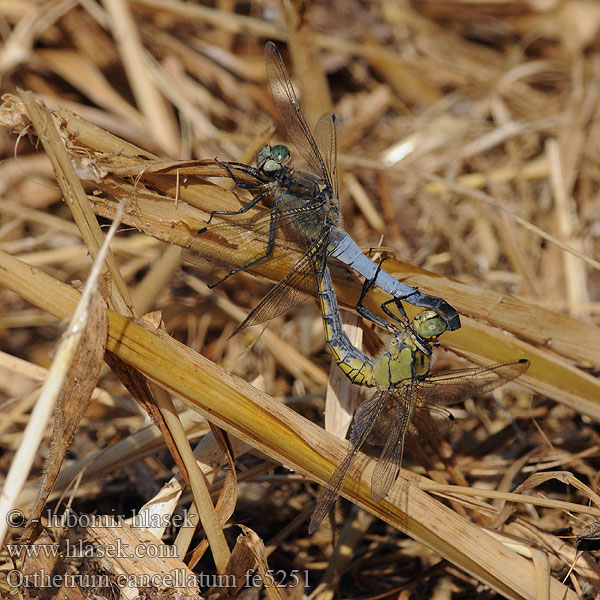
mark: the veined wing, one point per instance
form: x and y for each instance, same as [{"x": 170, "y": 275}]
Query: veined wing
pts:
[
  {"x": 365, "y": 418},
  {"x": 247, "y": 239},
  {"x": 401, "y": 405},
  {"x": 289, "y": 110},
  {"x": 448, "y": 388},
  {"x": 286, "y": 294},
  {"x": 414, "y": 413},
  {"x": 239, "y": 237},
  {"x": 326, "y": 140},
  {"x": 429, "y": 422}
]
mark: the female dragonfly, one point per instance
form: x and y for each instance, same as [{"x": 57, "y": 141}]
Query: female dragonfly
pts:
[{"x": 409, "y": 402}]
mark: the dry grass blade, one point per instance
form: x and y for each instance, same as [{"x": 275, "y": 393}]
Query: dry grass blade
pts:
[
  {"x": 151, "y": 102},
  {"x": 72, "y": 403},
  {"x": 88, "y": 313},
  {"x": 156, "y": 401},
  {"x": 274, "y": 429},
  {"x": 72, "y": 188},
  {"x": 144, "y": 442}
]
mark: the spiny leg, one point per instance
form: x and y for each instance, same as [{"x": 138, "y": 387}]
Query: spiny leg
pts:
[
  {"x": 404, "y": 321},
  {"x": 268, "y": 252},
  {"x": 363, "y": 311},
  {"x": 248, "y": 170},
  {"x": 246, "y": 206},
  {"x": 384, "y": 307},
  {"x": 242, "y": 210}
]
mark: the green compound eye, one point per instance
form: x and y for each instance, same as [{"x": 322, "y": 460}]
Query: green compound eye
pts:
[
  {"x": 280, "y": 153},
  {"x": 428, "y": 324}
]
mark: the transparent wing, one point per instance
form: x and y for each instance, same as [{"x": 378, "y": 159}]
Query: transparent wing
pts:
[
  {"x": 326, "y": 140},
  {"x": 365, "y": 418},
  {"x": 249, "y": 237},
  {"x": 451, "y": 387},
  {"x": 289, "y": 292},
  {"x": 289, "y": 110},
  {"x": 429, "y": 422},
  {"x": 399, "y": 415}
]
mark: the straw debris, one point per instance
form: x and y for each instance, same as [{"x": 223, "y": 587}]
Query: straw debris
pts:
[{"x": 467, "y": 141}]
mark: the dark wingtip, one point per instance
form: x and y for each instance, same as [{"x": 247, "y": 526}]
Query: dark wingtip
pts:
[
  {"x": 245, "y": 323},
  {"x": 201, "y": 230},
  {"x": 236, "y": 331}
]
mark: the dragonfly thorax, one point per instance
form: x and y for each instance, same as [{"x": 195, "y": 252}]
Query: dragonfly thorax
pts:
[
  {"x": 272, "y": 158},
  {"x": 403, "y": 362}
]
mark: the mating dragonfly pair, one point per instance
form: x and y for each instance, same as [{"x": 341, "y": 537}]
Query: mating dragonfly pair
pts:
[{"x": 408, "y": 403}]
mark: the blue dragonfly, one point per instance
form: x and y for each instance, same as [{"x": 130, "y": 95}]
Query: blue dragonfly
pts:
[{"x": 302, "y": 207}]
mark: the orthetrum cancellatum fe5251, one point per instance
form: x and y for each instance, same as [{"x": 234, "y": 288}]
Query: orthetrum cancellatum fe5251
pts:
[
  {"x": 409, "y": 402},
  {"x": 304, "y": 207}
]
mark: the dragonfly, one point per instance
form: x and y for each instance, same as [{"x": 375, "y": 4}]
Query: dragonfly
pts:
[
  {"x": 302, "y": 207},
  {"x": 409, "y": 402}
]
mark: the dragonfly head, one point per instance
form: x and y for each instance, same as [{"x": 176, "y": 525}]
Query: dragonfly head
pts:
[
  {"x": 271, "y": 158},
  {"x": 429, "y": 325}
]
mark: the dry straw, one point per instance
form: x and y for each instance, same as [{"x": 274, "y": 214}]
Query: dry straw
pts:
[{"x": 469, "y": 126}]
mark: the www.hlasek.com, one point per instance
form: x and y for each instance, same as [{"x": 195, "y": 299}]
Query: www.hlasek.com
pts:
[
  {"x": 82, "y": 549},
  {"x": 178, "y": 578}
]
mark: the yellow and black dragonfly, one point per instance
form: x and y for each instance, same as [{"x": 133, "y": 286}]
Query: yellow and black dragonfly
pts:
[{"x": 408, "y": 405}]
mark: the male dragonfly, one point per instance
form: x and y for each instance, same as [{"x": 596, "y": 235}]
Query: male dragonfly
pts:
[
  {"x": 304, "y": 207},
  {"x": 409, "y": 402}
]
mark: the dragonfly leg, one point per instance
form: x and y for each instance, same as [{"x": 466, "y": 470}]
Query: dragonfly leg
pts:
[
  {"x": 363, "y": 311},
  {"x": 404, "y": 317},
  {"x": 248, "y": 170},
  {"x": 241, "y": 211},
  {"x": 423, "y": 346},
  {"x": 447, "y": 312},
  {"x": 268, "y": 251},
  {"x": 403, "y": 320}
]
